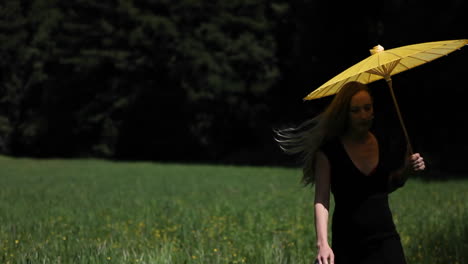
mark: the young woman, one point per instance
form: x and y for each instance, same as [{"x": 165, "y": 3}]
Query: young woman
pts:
[{"x": 343, "y": 156}]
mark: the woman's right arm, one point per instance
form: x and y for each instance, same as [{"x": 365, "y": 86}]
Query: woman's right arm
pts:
[{"x": 322, "y": 203}]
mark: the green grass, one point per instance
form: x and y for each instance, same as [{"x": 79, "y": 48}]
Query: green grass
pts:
[{"x": 92, "y": 211}]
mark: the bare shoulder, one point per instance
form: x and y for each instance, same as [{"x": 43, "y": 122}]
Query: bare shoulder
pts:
[
  {"x": 320, "y": 157},
  {"x": 322, "y": 164},
  {"x": 322, "y": 176}
]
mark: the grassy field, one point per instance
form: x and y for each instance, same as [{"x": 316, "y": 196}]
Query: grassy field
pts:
[{"x": 97, "y": 212}]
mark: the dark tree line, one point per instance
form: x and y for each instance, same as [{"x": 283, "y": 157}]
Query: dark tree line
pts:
[
  {"x": 133, "y": 79},
  {"x": 202, "y": 80}
]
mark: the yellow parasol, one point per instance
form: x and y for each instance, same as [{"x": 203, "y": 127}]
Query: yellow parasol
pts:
[{"x": 382, "y": 64}]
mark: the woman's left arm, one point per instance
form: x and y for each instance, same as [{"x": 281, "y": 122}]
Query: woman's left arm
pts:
[{"x": 413, "y": 163}]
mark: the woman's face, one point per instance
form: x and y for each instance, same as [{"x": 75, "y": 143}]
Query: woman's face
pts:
[{"x": 361, "y": 112}]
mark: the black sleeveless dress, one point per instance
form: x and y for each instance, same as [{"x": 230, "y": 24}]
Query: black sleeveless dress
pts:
[{"x": 363, "y": 230}]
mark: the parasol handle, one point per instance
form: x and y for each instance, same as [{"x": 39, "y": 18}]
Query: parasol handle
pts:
[{"x": 408, "y": 142}]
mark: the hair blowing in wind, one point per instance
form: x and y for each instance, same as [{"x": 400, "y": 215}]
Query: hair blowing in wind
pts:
[{"x": 305, "y": 139}]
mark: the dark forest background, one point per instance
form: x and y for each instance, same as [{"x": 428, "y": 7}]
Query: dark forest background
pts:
[{"x": 207, "y": 81}]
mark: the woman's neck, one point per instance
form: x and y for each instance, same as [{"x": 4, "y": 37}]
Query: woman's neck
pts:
[{"x": 357, "y": 137}]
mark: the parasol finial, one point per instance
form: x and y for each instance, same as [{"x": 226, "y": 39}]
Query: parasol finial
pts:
[{"x": 376, "y": 49}]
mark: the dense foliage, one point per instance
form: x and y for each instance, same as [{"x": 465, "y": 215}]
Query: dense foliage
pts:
[{"x": 146, "y": 79}]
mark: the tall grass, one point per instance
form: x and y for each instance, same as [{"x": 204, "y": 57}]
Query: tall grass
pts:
[{"x": 91, "y": 211}]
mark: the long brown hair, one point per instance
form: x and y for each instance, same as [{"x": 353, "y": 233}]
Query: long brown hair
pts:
[{"x": 309, "y": 136}]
